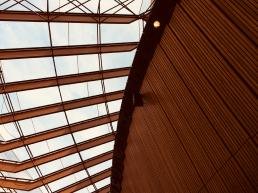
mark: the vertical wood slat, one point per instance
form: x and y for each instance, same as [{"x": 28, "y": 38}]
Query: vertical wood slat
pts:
[
  {"x": 232, "y": 97},
  {"x": 242, "y": 15},
  {"x": 180, "y": 124},
  {"x": 247, "y": 158},
  {"x": 232, "y": 44},
  {"x": 197, "y": 130},
  {"x": 227, "y": 78},
  {"x": 172, "y": 150}
]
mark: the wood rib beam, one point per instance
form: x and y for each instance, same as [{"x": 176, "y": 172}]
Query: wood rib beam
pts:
[
  {"x": 65, "y": 50},
  {"x": 58, "y": 107},
  {"x": 57, "y": 132},
  {"x": 30, "y": 185},
  {"x": 17, "y": 167},
  {"x": 62, "y": 80},
  {"x": 28, "y": 16},
  {"x": 83, "y": 183}
]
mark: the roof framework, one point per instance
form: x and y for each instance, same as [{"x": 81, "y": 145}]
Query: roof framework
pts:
[{"x": 78, "y": 131}]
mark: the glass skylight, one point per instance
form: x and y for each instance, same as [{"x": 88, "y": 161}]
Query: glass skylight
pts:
[{"x": 64, "y": 66}]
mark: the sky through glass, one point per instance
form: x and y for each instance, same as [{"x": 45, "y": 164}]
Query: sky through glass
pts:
[{"x": 64, "y": 66}]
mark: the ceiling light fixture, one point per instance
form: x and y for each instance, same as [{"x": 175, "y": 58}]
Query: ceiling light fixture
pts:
[{"x": 156, "y": 24}]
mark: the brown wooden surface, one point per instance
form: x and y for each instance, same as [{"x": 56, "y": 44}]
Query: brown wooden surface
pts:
[
  {"x": 197, "y": 129},
  {"x": 58, "y": 107},
  {"x": 16, "y": 167},
  {"x": 35, "y": 52},
  {"x": 28, "y": 16},
  {"x": 57, "y": 132},
  {"x": 62, "y": 80}
]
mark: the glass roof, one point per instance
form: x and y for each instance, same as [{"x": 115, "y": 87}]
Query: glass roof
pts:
[{"x": 64, "y": 66}]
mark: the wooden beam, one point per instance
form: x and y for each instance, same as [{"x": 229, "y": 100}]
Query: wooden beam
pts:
[
  {"x": 62, "y": 80},
  {"x": 83, "y": 183},
  {"x": 6, "y": 54},
  {"x": 31, "y": 185},
  {"x": 17, "y": 167},
  {"x": 57, "y": 132},
  {"x": 28, "y": 16},
  {"x": 58, "y": 107}
]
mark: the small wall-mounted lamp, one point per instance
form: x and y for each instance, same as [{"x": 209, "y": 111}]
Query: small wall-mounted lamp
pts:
[{"x": 156, "y": 24}]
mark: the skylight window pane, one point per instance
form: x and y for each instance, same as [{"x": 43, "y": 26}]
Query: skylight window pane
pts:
[
  {"x": 87, "y": 189},
  {"x": 70, "y": 160},
  {"x": 26, "y": 69},
  {"x": 112, "y": 6},
  {"x": 76, "y": 64},
  {"x": 100, "y": 167},
  {"x": 114, "y": 124},
  {"x": 24, "y": 5},
  {"x": 114, "y": 84},
  {"x": 50, "y": 167},
  {"x": 43, "y": 189},
  {"x": 92, "y": 5},
  {"x": 60, "y": 142},
  {"x": 91, "y": 133},
  {"x": 117, "y": 60},
  {"x": 15, "y": 34},
  {"x": 68, "y": 180},
  {"x": 5, "y": 4},
  {"x": 14, "y": 100},
  {"x": 40, "y": 4},
  {"x": 137, "y": 6},
  {"x": 81, "y": 90},
  {"x": 65, "y": 6},
  {"x": 94, "y": 151},
  {"x": 107, "y": 5},
  {"x": 4, "y": 108},
  {"x": 38, "y": 124},
  {"x": 18, "y": 154},
  {"x": 8, "y": 131},
  {"x": 30, "y": 174},
  {"x": 113, "y": 33},
  {"x": 85, "y": 113},
  {"x": 114, "y": 106},
  {"x": 103, "y": 183},
  {"x": 50, "y": 145},
  {"x": 73, "y": 34},
  {"x": 35, "y": 98},
  {"x": 59, "y": 164}
]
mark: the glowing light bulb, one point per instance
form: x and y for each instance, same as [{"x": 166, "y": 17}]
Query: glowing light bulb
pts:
[{"x": 156, "y": 24}]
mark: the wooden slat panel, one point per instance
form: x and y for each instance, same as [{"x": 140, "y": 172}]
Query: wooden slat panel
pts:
[
  {"x": 242, "y": 15},
  {"x": 197, "y": 129},
  {"x": 165, "y": 154},
  {"x": 169, "y": 143},
  {"x": 141, "y": 158},
  {"x": 216, "y": 185},
  {"x": 234, "y": 178},
  {"x": 209, "y": 100},
  {"x": 202, "y": 128},
  {"x": 231, "y": 43},
  {"x": 180, "y": 124},
  {"x": 247, "y": 157}
]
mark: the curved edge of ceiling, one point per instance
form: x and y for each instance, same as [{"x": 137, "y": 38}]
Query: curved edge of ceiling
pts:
[{"x": 161, "y": 11}]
